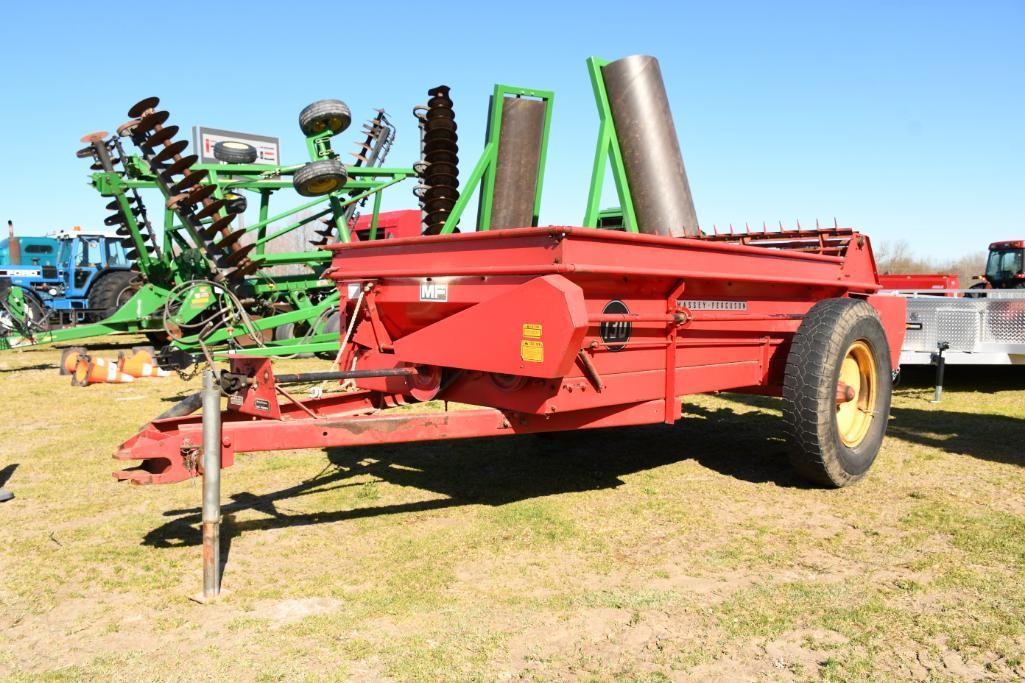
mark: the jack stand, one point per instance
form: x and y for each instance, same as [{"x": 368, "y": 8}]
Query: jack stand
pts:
[
  {"x": 941, "y": 363},
  {"x": 211, "y": 488}
]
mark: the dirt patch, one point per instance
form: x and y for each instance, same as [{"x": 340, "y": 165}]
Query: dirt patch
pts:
[{"x": 282, "y": 612}]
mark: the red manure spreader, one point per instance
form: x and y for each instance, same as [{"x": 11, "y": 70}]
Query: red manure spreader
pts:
[{"x": 561, "y": 328}]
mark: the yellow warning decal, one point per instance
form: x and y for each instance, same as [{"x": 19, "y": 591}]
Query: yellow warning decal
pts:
[
  {"x": 532, "y": 330},
  {"x": 532, "y": 351}
]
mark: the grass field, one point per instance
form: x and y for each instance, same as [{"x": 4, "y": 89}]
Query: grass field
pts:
[{"x": 649, "y": 554}]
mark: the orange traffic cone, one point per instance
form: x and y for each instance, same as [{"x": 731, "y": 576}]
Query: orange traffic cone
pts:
[
  {"x": 69, "y": 359},
  {"x": 140, "y": 364},
  {"x": 91, "y": 371}
]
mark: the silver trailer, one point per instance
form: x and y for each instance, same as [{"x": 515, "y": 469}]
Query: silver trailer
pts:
[{"x": 989, "y": 330}]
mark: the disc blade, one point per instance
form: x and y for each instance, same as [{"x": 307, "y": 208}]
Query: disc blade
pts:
[
  {"x": 140, "y": 107},
  {"x": 191, "y": 180},
  {"x": 247, "y": 267},
  {"x": 199, "y": 193},
  {"x": 161, "y": 136},
  {"x": 127, "y": 127},
  {"x": 150, "y": 121},
  {"x": 236, "y": 257},
  {"x": 178, "y": 166},
  {"x": 211, "y": 208},
  {"x": 172, "y": 150},
  {"x": 231, "y": 240},
  {"x": 212, "y": 230},
  {"x": 116, "y": 205}
]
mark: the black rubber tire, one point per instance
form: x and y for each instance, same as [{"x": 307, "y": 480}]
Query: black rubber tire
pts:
[
  {"x": 232, "y": 152},
  {"x": 325, "y": 114},
  {"x": 980, "y": 295},
  {"x": 110, "y": 292},
  {"x": 38, "y": 314},
  {"x": 287, "y": 332},
  {"x": 235, "y": 203},
  {"x": 319, "y": 178},
  {"x": 333, "y": 323},
  {"x": 809, "y": 391}
]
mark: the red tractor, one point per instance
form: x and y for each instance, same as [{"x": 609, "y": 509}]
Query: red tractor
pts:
[{"x": 1005, "y": 266}]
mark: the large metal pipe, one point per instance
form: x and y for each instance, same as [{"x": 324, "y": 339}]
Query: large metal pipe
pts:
[
  {"x": 650, "y": 147},
  {"x": 211, "y": 485},
  {"x": 519, "y": 154}
]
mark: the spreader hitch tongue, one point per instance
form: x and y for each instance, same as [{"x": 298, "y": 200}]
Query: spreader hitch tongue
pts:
[{"x": 172, "y": 358}]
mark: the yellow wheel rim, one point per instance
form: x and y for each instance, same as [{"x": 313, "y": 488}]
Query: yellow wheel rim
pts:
[
  {"x": 322, "y": 186},
  {"x": 856, "y": 394}
]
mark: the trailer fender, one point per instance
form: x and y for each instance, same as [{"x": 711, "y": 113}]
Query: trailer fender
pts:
[
  {"x": 533, "y": 330},
  {"x": 892, "y": 312}
]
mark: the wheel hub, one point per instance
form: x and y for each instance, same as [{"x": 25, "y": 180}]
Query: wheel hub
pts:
[{"x": 856, "y": 394}]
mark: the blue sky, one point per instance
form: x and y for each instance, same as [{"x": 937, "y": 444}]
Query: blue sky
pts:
[{"x": 903, "y": 119}]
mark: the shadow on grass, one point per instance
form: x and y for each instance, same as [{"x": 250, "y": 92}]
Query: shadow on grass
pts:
[
  {"x": 996, "y": 438},
  {"x": 78, "y": 343},
  {"x": 985, "y": 378},
  {"x": 37, "y": 366},
  {"x": 7, "y": 472},
  {"x": 990, "y": 437},
  {"x": 496, "y": 471}
]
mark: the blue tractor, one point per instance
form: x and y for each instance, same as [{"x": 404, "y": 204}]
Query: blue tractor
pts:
[{"x": 92, "y": 278}]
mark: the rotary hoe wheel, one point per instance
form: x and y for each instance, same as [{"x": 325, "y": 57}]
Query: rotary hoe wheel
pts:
[
  {"x": 318, "y": 178},
  {"x": 322, "y": 115}
]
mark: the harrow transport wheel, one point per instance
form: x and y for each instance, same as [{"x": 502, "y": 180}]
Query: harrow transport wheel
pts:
[
  {"x": 318, "y": 178},
  {"x": 333, "y": 323},
  {"x": 836, "y": 391},
  {"x": 232, "y": 152},
  {"x": 290, "y": 332},
  {"x": 111, "y": 292},
  {"x": 35, "y": 315},
  {"x": 325, "y": 114}
]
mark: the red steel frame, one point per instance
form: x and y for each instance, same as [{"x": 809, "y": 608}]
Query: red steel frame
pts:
[{"x": 519, "y": 321}]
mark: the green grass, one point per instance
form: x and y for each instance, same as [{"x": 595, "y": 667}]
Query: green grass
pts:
[{"x": 645, "y": 554}]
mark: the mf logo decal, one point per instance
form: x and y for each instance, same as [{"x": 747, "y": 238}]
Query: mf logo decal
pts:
[
  {"x": 615, "y": 334},
  {"x": 433, "y": 291}
]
